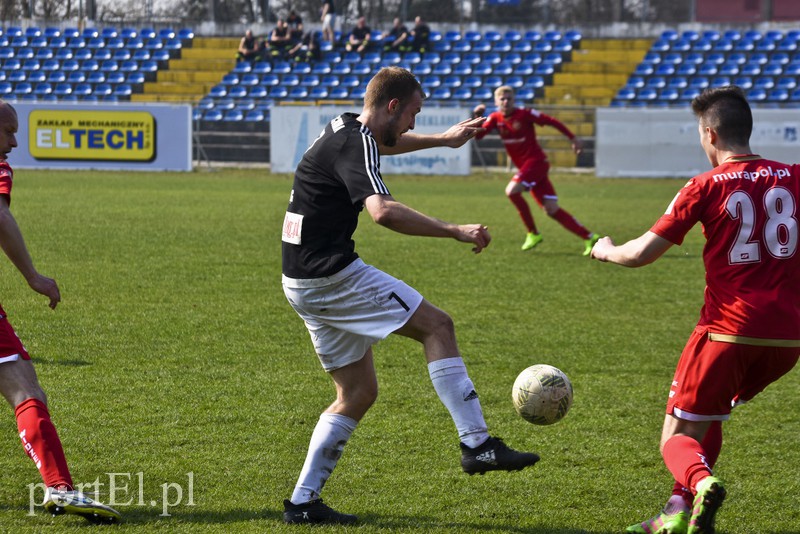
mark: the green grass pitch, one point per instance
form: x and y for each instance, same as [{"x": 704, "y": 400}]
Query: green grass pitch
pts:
[{"x": 175, "y": 362}]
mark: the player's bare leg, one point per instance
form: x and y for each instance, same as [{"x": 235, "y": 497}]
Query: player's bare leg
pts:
[{"x": 479, "y": 451}]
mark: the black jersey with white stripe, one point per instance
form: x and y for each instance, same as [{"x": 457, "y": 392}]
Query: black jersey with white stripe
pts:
[{"x": 339, "y": 170}]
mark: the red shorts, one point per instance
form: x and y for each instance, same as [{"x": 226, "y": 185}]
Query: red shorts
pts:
[
  {"x": 712, "y": 376},
  {"x": 11, "y": 348},
  {"x": 534, "y": 177}
]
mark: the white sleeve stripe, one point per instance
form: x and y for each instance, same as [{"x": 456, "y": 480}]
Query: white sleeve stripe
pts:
[{"x": 372, "y": 163}]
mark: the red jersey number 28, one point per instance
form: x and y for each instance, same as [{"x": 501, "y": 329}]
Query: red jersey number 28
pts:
[{"x": 780, "y": 229}]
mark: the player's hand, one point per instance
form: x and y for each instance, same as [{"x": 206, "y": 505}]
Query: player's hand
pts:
[
  {"x": 460, "y": 133},
  {"x": 601, "y": 249},
  {"x": 476, "y": 234},
  {"x": 577, "y": 145},
  {"x": 479, "y": 111},
  {"x": 47, "y": 287}
]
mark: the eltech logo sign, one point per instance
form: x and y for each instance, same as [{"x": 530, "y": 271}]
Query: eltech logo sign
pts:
[{"x": 92, "y": 135}]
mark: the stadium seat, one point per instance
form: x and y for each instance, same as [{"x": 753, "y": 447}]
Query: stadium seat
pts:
[
  {"x": 763, "y": 82},
  {"x": 688, "y": 94},
  {"x": 656, "y": 82},
  {"x": 745, "y": 82},
  {"x": 62, "y": 89},
  {"x": 134, "y": 78},
  {"x": 482, "y": 94},
  {"x": 255, "y": 115},
  {"x": 212, "y": 115},
  {"x": 668, "y": 94},
  {"x": 338, "y": 93},
  {"x": 515, "y": 82},
  {"x": 678, "y": 82},
  {"x": 441, "y": 93},
  {"x": 56, "y": 76},
  {"x": 257, "y": 92},
  {"x": 646, "y": 94},
  {"x": 298, "y": 93},
  {"x": 786, "y": 82}
]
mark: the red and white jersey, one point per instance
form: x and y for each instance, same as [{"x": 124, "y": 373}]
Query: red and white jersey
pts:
[
  {"x": 518, "y": 134},
  {"x": 749, "y": 208},
  {"x": 6, "y": 178}
]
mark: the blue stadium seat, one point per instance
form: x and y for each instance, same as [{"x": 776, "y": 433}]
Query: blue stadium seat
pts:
[
  {"x": 707, "y": 69},
  {"x": 56, "y": 76},
  {"x": 492, "y": 82},
  {"x": 270, "y": 80},
  {"x": 626, "y": 93},
  {"x": 361, "y": 69},
  {"x": 647, "y": 93},
  {"x": 109, "y": 66},
  {"x": 441, "y": 93},
  {"x": 115, "y": 43},
  {"x": 36, "y": 76},
  {"x": 686, "y": 70},
  {"x": 135, "y": 43},
  {"x": 745, "y": 82},
  {"x": 31, "y": 64},
  {"x": 237, "y": 91},
  {"x": 461, "y": 47},
  {"x": 462, "y": 70},
  {"x": 96, "y": 77},
  {"x": 262, "y": 67},
  {"x": 42, "y": 89},
  {"x": 338, "y": 93},
  {"x": 472, "y": 82},
  {"x": 298, "y": 93},
  {"x": 728, "y": 69},
  {"x": 678, "y": 82},
  {"x": 310, "y": 80},
  {"x": 318, "y": 93},
  {"x": 212, "y": 115},
  {"x": 115, "y": 78},
  {"x": 16, "y": 76},
  {"x": 482, "y": 93},
  {"x": 451, "y": 81},
  {"x": 786, "y": 82},
  {"x": 689, "y": 93},
  {"x": 772, "y": 69},
  {"x": 431, "y": 82},
  {"x": 763, "y": 82},
  {"x": 290, "y": 80},
  {"x": 159, "y": 55},
  {"x": 341, "y": 69},
  {"x": 656, "y": 82},
  {"x": 185, "y": 34},
  {"x": 750, "y": 69},
  {"x": 756, "y": 95},
  {"x": 255, "y": 115},
  {"x": 134, "y": 78},
  {"x": 644, "y": 69},
  {"x": 76, "y": 76},
  {"x": 224, "y": 103},
  {"x": 778, "y": 95},
  {"x": 257, "y": 92},
  {"x": 62, "y": 89},
  {"x": 668, "y": 94},
  {"x": 124, "y": 55},
  {"x": 129, "y": 66},
  {"x": 14, "y": 31},
  {"x": 701, "y": 82}
]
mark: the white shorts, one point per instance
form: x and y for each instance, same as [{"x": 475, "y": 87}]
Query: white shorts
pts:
[
  {"x": 329, "y": 21},
  {"x": 350, "y": 311}
]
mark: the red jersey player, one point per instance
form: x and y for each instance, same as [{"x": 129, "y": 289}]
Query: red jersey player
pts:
[
  {"x": 18, "y": 382},
  {"x": 748, "y": 335},
  {"x": 516, "y": 128}
]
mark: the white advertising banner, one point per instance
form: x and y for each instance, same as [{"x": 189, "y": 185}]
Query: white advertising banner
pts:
[
  {"x": 666, "y": 143},
  {"x": 103, "y": 136},
  {"x": 294, "y": 128}
]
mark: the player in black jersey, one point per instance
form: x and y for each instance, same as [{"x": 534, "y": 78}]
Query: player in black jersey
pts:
[{"x": 348, "y": 305}]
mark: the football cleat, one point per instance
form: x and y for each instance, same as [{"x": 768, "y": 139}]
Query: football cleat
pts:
[
  {"x": 707, "y": 500},
  {"x": 59, "y": 502},
  {"x": 494, "y": 455},
  {"x": 663, "y": 523},
  {"x": 588, "y": 244},
  {"x": 531, "y": 240},
  {"x": 314, "y": 512}
]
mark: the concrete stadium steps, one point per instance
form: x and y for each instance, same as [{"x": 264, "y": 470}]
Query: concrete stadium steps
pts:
[
  {"x": 190, "y": 77},
  {"x": 595, "y": 72}
]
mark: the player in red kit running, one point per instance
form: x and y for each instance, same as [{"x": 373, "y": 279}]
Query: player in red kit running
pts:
[
  {"x": 516, "y": 128},
  {"x": 18, "y": 382},
  {"x": 748, "y": 335}
]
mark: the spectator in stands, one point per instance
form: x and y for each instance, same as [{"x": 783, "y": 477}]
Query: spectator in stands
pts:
[
  {"x": 248, "y": 48},
  {"x": 328, "y": 20},
  {"x": 395, "y": 39},
  {"x": 280, "y": 40},
  {"x": 308, "y": 48},
  {"x": 358, "y": 40},
  {"x": 421, "y": 34},
  {"x": 295, "y": 23}
]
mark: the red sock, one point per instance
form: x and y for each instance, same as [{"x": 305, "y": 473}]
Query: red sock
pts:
[
  {"x": 712, "y": 445},
  {"x": 524, "y": 211},
  {"x": 570, "y": 223},
  {"x": 686, "y": 460},
  {"x": 40, "y": 440}
]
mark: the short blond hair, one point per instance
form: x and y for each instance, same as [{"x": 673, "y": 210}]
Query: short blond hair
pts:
[{"x": 503, "y": 89}]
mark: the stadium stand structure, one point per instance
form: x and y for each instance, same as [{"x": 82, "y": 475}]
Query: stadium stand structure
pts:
[
  {"x": 766, "y": 64},
  {"x": 459, "y": 70}
]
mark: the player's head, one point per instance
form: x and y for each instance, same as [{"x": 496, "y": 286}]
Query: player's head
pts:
[
  {"x": 397, "y": 93},
  {"x": 504, "y": 98},
  {"x": 8, "y": 128},
  {"x": 725, "y": 111}
]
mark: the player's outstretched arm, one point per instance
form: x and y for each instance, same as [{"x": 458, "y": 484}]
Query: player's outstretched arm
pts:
[
  {"x": 635, "y": 253},
  {"x": 396, "y": 216},
  {"x": 454, "y": 137},
  {"x": 13, "y": 244}
]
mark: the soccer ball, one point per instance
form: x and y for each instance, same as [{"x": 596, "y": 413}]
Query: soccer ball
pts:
[{"x": 542, "y": 394}]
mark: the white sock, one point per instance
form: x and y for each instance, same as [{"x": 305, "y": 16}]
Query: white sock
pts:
[
  {"x": 455, "y": 389},
  {"x": 327, "y": 442}
]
